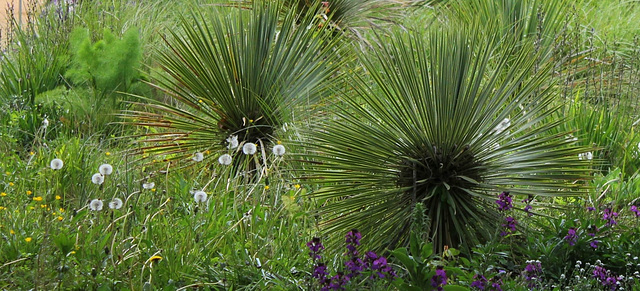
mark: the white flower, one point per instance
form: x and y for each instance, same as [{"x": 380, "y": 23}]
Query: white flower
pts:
[
  {"x": 233, "y": 142},
  {"x": 97, "y": 179},
  {"x": 278, "y": 150},
  {"x": 225, "y": 159},
  {"x": 148, "y": 185},
  {"x": 200, "y": 196},
  {"x": 504, "y": 124},
  {"x": 116, "y": 203},
  {"x": 198, "y": 157},
  {"x": 249, "y": 148},
  {"x": 585, "y": 156},
  {"x": 45, "y": 123},
  {"x": 56, "y": 164},
  {"x": 105, "y": 169},
  {"x": 95, "y": 205}
]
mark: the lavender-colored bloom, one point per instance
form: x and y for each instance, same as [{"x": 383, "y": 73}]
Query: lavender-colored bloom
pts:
[
  {"x": 532, "y": 271},
  {"x": 315, "y": 246},
  {"x": 527, "y": 209},
  {"x": 320, "y": 272},
  {"x": 571, "y": 237},
  {"x": 338, "y": 281},
  {"x": 594, "y": 244},
  {"x": 355, "y": 265},
  {"x": 590, "y": 208},
  {"x": 600, "y": 273},
  {"x": 480, "y": 282},
  {"x": 509, "y": 225},
  {"x": 439, "y": 279},
  {"x": 605, "y": 277},
  {"x": 610, "y": 216},
  {"x": 504, "y": 201},
  {"x": 635, "y": 210},
  {"x": 353, "y": 240}
]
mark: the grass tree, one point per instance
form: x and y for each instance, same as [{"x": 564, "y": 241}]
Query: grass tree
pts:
[
  {"x": 241, "y": 74},
  {"x": 450, "y": 119}
]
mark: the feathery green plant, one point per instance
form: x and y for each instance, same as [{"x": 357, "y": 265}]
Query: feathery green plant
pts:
[{"x": 450, "y": 122}]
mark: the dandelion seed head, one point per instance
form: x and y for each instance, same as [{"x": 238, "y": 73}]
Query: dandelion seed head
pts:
[
  {"x": 225, "y": 159},
  {"x": 279, "y": 150},
  {"x": 105, "y": 169},
  {"x": 95, "y": 205},
  {"x": 116, "y": 203},
  {"x": 45, "y": 123},
  {"x": 198, "y": 157},
  {"x": 200, "y": 196},
  {"x": 249, "y": 148},
  {"x": 97, "y": 179},
  {"x": 232, "y": 142},
  {"x": 56, "y": 164}
]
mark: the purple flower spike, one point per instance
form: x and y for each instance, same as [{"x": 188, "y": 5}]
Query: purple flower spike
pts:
[
  {"x": 571, "y": 237},
  {"x": 315, "y": 246},
  {"x": 635, "y": 210},
  {"x": 439, "y": 279},
  {"x": 594, "y": 244},
  {"x": 610, "y": 216},
  {"x": 509, "y": 225},
  {"x": 504, "y": 201},
  {"x": 480, "y": 282}
]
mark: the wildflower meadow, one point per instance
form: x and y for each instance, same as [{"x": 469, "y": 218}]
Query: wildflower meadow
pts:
[{"x": 320, "y": 145}]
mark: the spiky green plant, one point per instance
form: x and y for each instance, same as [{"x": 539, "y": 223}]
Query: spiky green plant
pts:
[
  {"x": 243, "y": 74},
  {"x": 449, "y": 121}
]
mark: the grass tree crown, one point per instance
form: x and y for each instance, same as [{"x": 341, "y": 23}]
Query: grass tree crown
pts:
[
  {"x": 236, "y": 79},
  {"x": 449, "y": 119}
]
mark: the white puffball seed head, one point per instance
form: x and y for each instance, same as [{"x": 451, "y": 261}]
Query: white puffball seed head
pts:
[
  {"x": 97, "y": 179},
  {"x": 56, "y": 164},
  {"x": 278, "y": 150},
  {"x": 105, "y": 169},
  {"x": 200, "y": 196},
  {"x": 249, "y": 148},
  {"x": 225, "y": 159}
]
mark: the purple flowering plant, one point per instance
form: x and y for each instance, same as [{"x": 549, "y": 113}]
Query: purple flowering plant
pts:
[{"x": 355, "y": 265}]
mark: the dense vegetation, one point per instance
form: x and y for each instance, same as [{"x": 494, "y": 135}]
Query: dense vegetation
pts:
[{"x": 321, "y": 145}]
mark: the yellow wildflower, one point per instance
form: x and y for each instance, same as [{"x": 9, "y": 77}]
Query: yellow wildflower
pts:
[
  {"x": 58, "y": 197},
  {"x": 32, "y": 208},
  {"x": 297, "y": 186},
  {"x": 279, "y": 142},
  {"x": 2, "y": 208},
  {"x": 12, "y": 232},
  {"x": 29, "y": 192},
  {"x": 266, "y": 187},
  {"x": 60, "y": 218},
  {"x": 11, "y": 184},
  {"x": 28, "y": 239},
  {"x": 37, "y": 198},
  {"x": 8, "y": 173},
  {"x": 43, "y": 205},
  {"x": 61, "y": 209},
  {"x": 153, "y": 190},
  {"x": 107, "y": 153},
  {"x": 32, "y": 153},
  {"x": 3, "y": 194}
]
